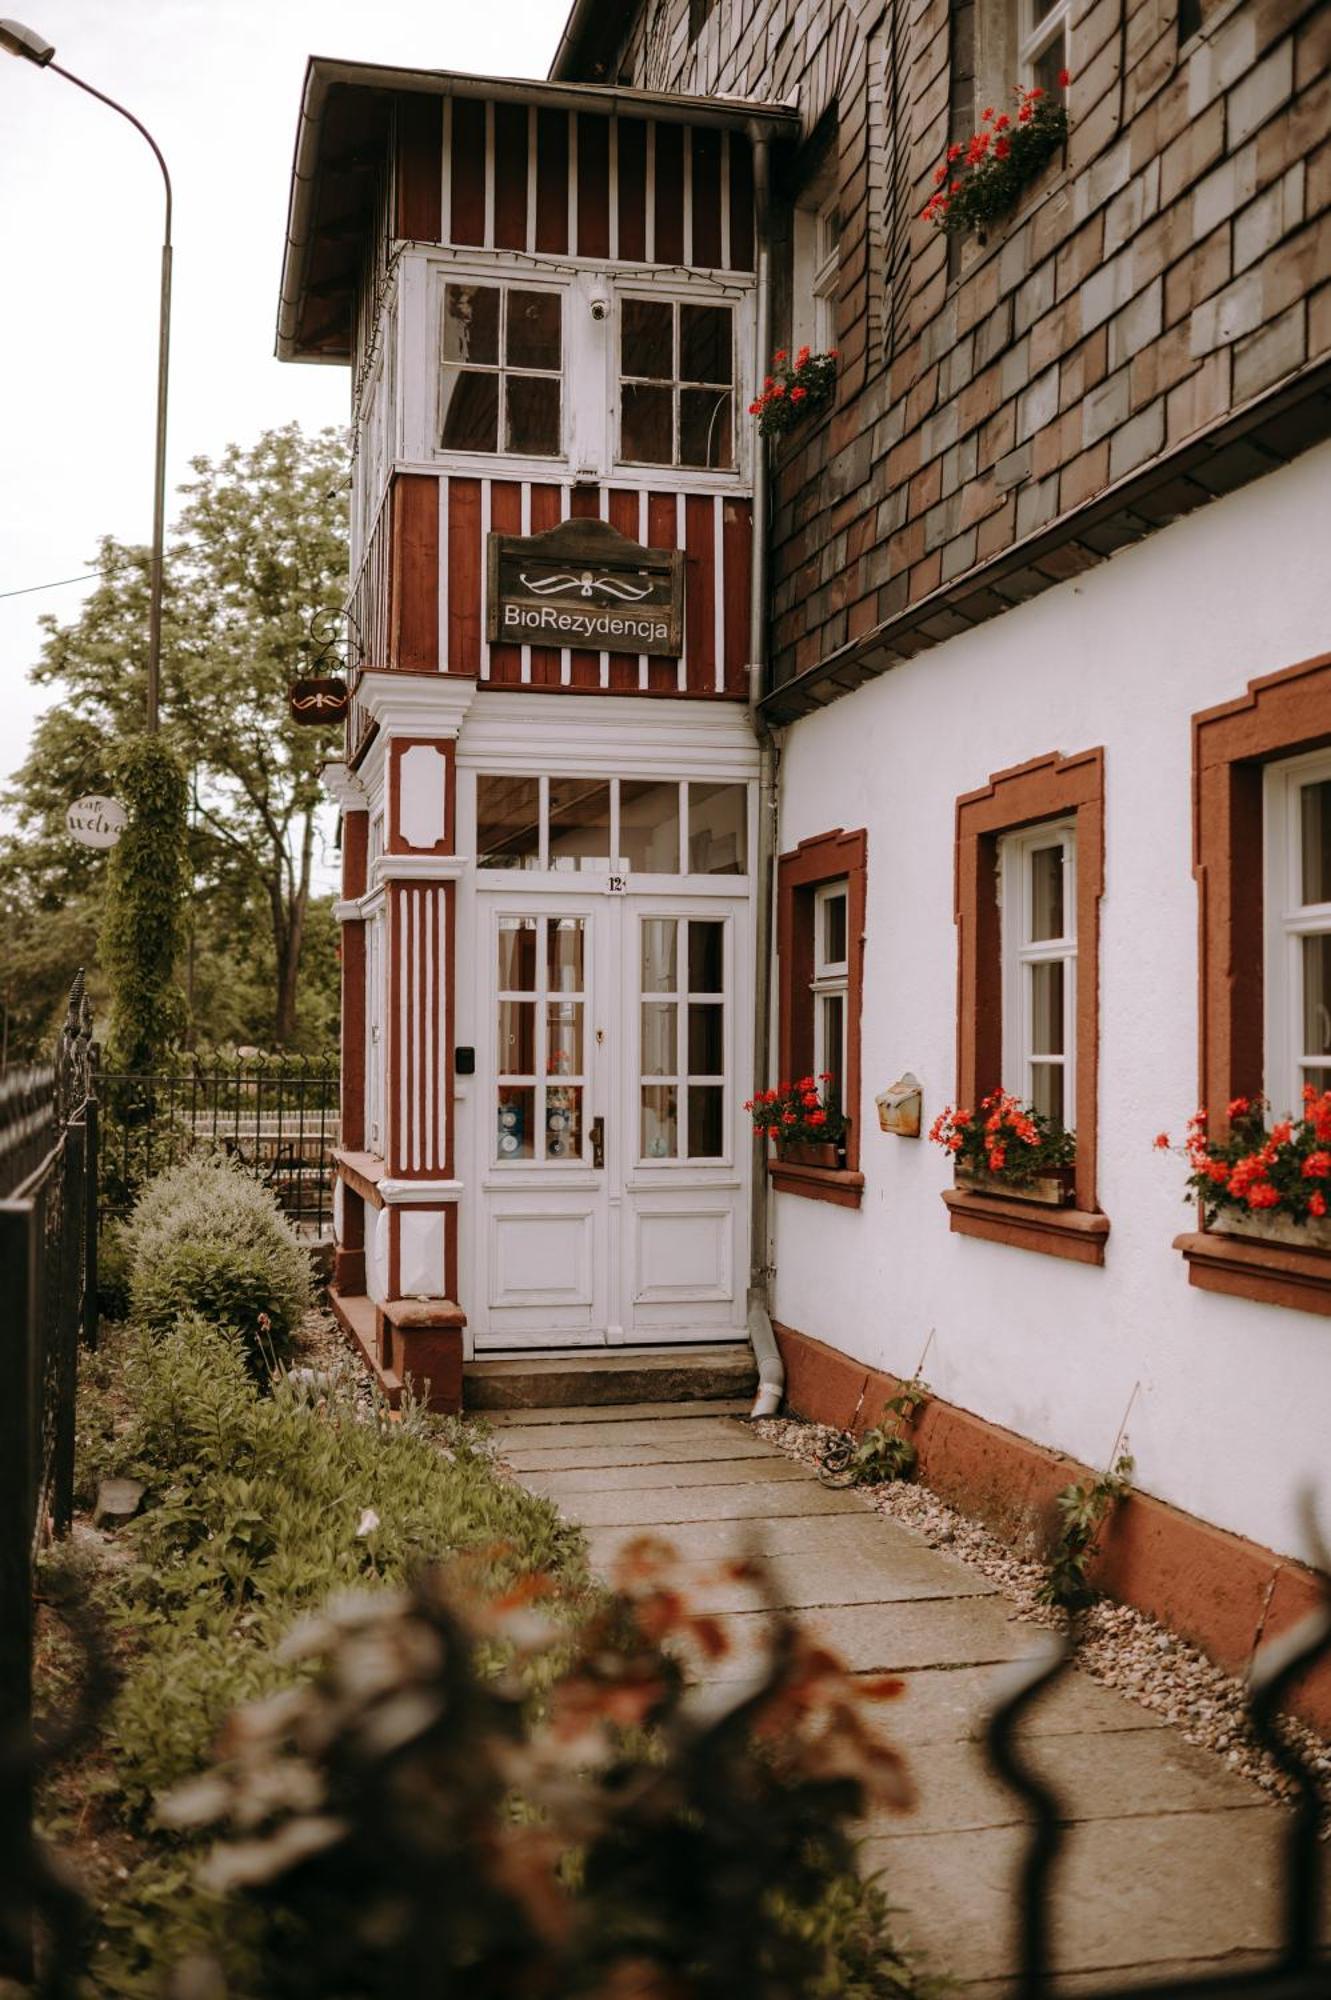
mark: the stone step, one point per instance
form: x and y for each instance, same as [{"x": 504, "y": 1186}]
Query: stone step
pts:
[{"x": 603, "y": 1378}]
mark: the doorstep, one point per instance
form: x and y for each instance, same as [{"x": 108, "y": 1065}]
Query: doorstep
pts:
[{"x": 583, "y": 1378}]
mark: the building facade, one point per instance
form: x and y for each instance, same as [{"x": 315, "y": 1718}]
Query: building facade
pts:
[{"x": 1041, "y": 691}]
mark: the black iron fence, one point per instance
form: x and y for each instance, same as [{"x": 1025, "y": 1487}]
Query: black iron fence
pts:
[{"x": 276, "y": 1116}]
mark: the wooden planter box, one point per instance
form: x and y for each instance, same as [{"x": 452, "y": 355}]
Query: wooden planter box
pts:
[
  {"x": 1271, "y": 1227},
  {"x": 809, "y": 1152},
  {"x": 1055, "y": 1188}
]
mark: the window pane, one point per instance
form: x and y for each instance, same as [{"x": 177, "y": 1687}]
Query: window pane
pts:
[
  {"x": 649, "y": 827},
  {"x": 516, "y": 1128},
  {"x": 659, "y": 1040},
  {"x": 517, "y": 955},
  {"x": 1317, "y": 996},
  {"x": 1047, "y": 1090},
  {"x": 646, "y": 339},
  {"x": 1315, "y": 814},
  {"x": 563, "y": 955},
  {"x": 1318, "y": 1077},
  {"x": 471, "y": 324},
  {"x": 470, "y": 411},
  {"x": 1046, "y": 893},
  {"x": 1047, "y": 1008},
  {"x": 707, "y": 1039},
  {"x": 1045, "y": 70},
  {"x": 533, "y": 415},
  {"x": 706, "y": 957},
  {"x": 704, "y": 427},
  {"x": 533, "y": 330},
  {"x": 646, "y": 431},
  {"x": 508, "y": 822},
  {"x": 579, "y": 824},
  {"x": 718, "y": 829},
  {"x": 516, "y": 1046},
  {"x": 660, "y": 944},
  {"x": 706, "y": 1119},
  {"x": 563, "y": 1122},
  {"x": 659, "y": 1134},
  {"x": 563, "y": 1038},
  {"x": 831, "y": 1042},
  {"x": 834, "y": 930},
  {"x": 705, "y": 344}
]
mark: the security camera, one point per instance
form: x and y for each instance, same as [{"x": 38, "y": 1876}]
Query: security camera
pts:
[{"x": 600, "y": 306}]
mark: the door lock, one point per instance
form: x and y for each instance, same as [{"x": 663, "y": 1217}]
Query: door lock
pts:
[{"x": 598, "y": 1142}]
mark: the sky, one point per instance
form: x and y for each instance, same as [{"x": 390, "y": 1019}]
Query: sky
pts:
[{"x": 218, "y": 84}]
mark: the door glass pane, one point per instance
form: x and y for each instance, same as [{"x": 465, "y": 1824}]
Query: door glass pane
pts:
[
  {"x": 1317, "y": 996},
  {"x": 707, "y": 1039},
  {"x": 563, "y": 1122},
  {"x": 659, "y": 1038},
  {"x": 533, "y": 330},
  {"x": 1047, "y": 1090},
  {"x": 646, "y": 340},
  {"x": 563, "y": 1038},
  {"x": 706, "y": 957},
  {"x": 659, "y": 1136},
  {"x": 705, "y": 344},
  {"x": 648, "y": 827},
  {"x": 660, "y": 944},
  {"x": 1315, "y": 814},
  {"x": 1047, "y": 1008},
  {"x": 563, "y": 952},
  {"x": 1046, "y": 893},
  {"x": 834, "y": 930},
  {"x": 516, "y": 1046},
  {"x": 517, "y": 955},
  {"x": 533, "y": 415},
  {"x": 471, "y": 324},
  {"x": 706, "y": 1119},
  {"x": 508, "y": 822},
  {"x": 704, "y": 428},
  {"x": 579, "y": 824},
  {"x": 718, "y": 829},
  {"x": 647, "y": 425},
  {"x": 515, "y": 1132},
  {"x": 469, "y": 406}
]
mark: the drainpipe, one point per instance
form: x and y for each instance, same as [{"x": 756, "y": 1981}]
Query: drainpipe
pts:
[{"x": 771, "y": 1372}]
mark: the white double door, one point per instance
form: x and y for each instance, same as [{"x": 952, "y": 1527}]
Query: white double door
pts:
[{"x": 610, "y": 1147}]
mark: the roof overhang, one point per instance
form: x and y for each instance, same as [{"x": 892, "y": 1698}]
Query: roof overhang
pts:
[{"x": 340, "y": 148}]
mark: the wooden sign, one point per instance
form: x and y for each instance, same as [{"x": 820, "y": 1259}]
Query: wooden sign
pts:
[
  {"x": 583, "y": 584},
  {"x": 320, "y": 701},
  {"x": 96, "y": 821}
]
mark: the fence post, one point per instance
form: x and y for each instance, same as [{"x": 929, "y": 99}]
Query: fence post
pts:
[
  {"x": 91, "y": 1316},
  {"x": 18, "y": 1482}
]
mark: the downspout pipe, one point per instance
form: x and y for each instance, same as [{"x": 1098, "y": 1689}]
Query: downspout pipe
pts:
[{"x": 771, "y": 1370}]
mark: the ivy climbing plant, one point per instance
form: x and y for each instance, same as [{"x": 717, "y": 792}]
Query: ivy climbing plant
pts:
[{"x": 143, "y": 930}]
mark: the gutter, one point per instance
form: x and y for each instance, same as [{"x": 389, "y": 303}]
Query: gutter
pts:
[
  {"x": 575, "y": 28},
  {"x": 771, "y": 1370}
]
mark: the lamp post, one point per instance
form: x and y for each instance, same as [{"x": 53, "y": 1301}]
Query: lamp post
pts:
[{"x": 19, "y": 40}]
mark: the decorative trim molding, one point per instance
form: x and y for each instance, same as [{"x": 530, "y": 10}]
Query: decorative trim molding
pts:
[
  {"x": 833, "y": 1184},
  {"x": 419, "y": 867},
  {"x": 531, "y": 731},
  {"x": 427, "y": 705},
  {"x": 419, "y": 1194},
  {"x": 344, "y": 787}
]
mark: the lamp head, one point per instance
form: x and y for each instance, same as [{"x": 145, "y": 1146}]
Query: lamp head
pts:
[{"x": 25, "y": 42}]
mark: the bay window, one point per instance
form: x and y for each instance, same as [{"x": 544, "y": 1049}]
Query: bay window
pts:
[
  {"x": 501, "y": 369},
  {"x": 676, "y": 383}
]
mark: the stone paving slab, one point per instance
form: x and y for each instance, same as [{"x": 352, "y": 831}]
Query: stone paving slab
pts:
[
  {"x": 1166, "y": 1978},
  {"x": 662, "y": 1506},
  {"x": 618, "y": 1413},
  {"x": 886, "y": 1638},
  {"x": 723, "y": 1445},
  {"x": 784, "y": 1534},
  {"x": 951, "y": 1705},
  {"x": 677, "y": 1476},
  {"x": 857, "y": 1576}
]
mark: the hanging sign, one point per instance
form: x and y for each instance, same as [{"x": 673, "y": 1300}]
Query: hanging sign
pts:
[
  {"x": 320, "y": 701},
  {"x": 585, "y": 585},
  {"x": 96, "y": 821}
]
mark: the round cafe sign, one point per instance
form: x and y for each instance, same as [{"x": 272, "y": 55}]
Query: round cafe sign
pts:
[{"x": 96, "y": 821}]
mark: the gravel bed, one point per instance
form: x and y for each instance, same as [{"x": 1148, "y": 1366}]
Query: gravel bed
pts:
[{"x": 1121, "y": 1648}]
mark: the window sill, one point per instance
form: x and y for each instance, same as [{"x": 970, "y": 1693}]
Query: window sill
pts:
[
  {"x": 1275, "y": 1274},
  {"x": 1073, "y": 1233},
  {"x": 362, "y": 1173},
  {"x": 835, "y": 1184}
]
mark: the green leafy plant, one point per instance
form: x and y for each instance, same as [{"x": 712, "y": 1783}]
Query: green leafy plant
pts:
[
  {"x": 979, "y": 180},
  {"x": 1082, "y": 1510},
  {"x": 144, "y": 927},
  {"x": 794, "y": 390},
  {"x": 1281, "y": 1170},
  {"x": 1008, "y": 1139},
  {"x": 885, "y": 1452}
]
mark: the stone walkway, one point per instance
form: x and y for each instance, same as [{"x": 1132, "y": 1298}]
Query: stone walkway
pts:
[{"x": 1172, "y": 1863}]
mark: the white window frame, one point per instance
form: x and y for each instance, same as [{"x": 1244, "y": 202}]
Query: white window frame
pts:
[
  {"x": 505, "y": 279},
  {"x": 816, "y": 248},
  {"x": 675, "y": 297},
  {"x": 1288, "y": 920},
  {"x": 1019, "y": 953},
  {"x": 1035, "y": 36},
  {"x": 831, "y": 977}
]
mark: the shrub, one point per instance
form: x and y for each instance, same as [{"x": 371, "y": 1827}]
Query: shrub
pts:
[
  {"x": 207, "y": 1238},
  {"x": 112, "y": 1272}
]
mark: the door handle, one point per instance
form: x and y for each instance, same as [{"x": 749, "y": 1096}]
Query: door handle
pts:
[{"x": 598, "y": 1142}]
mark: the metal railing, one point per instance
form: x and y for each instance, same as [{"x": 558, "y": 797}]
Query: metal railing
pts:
[{"x": 276, "y": 1116}]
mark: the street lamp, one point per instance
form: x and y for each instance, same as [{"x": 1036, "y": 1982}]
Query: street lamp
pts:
[{"x": 26, "y": 42}]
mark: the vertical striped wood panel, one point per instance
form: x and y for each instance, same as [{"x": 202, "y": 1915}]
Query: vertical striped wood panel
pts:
[
  {"x": 622, "y": 513},
  {"x": 585, "y": 505},
  {"x": 662, "y": 533},
  {"x": 700, "y": 590},
  {"x": 737, "y": 547},
  {"x": 420, "y": 1030},
  {"x": 505, "y": 662},
  {"x": 465, "y": 576},
  {"x": 413, "y": 616},
  {"x": 547, "y": 511},
  {"x": 638, "y": 190}
]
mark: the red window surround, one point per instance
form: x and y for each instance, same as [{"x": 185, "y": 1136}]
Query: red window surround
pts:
[{"x": 828, "y": 857}]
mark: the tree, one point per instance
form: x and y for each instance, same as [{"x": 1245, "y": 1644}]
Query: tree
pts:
[{"x": 255, "y": 570}]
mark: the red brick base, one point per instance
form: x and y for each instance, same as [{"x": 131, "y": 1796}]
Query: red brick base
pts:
[{"x": 1225, "y": 1594}]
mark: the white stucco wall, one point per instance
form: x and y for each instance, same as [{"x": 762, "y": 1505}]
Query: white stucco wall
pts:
[{"x": 1234, "y": 1408}]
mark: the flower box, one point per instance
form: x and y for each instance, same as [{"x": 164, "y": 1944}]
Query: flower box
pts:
[
  {"x": 808, "y": 1152},
  {"x": 1272, "y": 1227},
  {"x": 1056, "y": 1187}
]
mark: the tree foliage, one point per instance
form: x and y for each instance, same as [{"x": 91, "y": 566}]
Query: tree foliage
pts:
[{"x": 255, "y": 576}]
